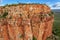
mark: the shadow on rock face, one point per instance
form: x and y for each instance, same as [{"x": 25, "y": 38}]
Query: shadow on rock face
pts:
[{"x": 53, "y": 37}]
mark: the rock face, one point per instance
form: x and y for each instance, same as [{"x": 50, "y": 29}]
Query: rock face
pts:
[{"x": 26, "y": 22}]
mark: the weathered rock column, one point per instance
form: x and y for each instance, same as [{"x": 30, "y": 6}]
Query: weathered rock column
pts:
[{"x": 26, "y": 22}]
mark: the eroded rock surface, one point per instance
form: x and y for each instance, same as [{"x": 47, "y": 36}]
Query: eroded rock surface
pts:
[{"x": 26, "y": 22}]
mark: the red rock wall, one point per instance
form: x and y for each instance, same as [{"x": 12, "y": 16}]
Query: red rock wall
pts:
[{"x": 26, "y": 22}]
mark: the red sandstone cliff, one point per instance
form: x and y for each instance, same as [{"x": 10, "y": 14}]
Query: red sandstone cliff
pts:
[{"x": 25, "y": 22}]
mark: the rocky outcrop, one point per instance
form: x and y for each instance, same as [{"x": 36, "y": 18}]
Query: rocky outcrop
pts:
[{"x": 26, "y": 22}]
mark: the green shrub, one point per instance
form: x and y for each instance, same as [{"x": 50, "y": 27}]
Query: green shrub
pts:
[{"x": 4, "y": 15}]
